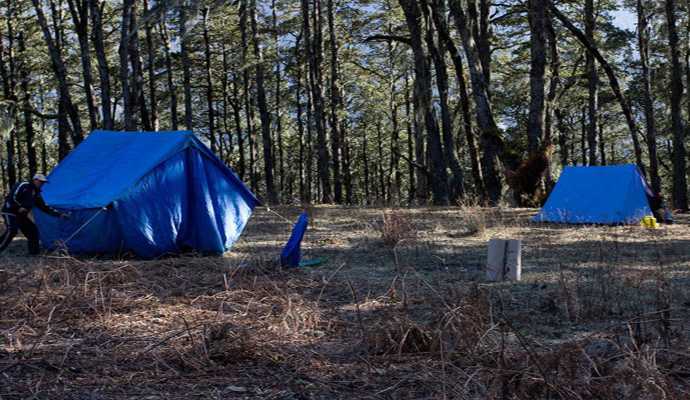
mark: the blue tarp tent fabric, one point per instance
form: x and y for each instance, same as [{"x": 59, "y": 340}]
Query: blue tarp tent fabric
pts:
[
  {"x": 291, "y": 254},
  {"x": 150, "y": 193},
  {"x": 616, "y": 194}
]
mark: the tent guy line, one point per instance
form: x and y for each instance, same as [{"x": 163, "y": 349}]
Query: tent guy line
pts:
[{"x": 84, "y": 225}]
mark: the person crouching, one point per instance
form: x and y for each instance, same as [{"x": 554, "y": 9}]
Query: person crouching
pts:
[{"x": 15, "y": 212}]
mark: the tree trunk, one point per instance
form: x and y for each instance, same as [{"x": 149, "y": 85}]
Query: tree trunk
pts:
[
  {"x": 422, "y": 176},
  {"x": 563, "y": 137},
  {"x": 96, "y": 12},
  {"x": 647, "y": 100},
  {"x": 410, "y": 148},
  {"x": 225, "y": 84},
  {"x": 237, "y": 110},
  {"x": 271, "y": 195},
  {"x": 26, "y": 104},
  {"x": 680, "y": 186},
  {"x": 439, "y": 22},
  {"x": 687, "y": 61},
  {"x": 300, "y": 120},
  {"x": 186, "y": 67},
  {"x": 63, "y": 121},
  {"x": 551, "y": 98},
  {"x": 315, "y": 54},
  {"x": 137, "y": 85},
  {"x": 172, "y": 88},
  {"x": 480, "y": 30},
  {"x": 128, "y": 105},
  {"x": 8, "y": 84},
  {"x": 592, "y": 78},
  {"x": 150, "y": 69},
  {"x": 484, "y": 40},
  {"x": 456, "y": 185},
  {"x": 251, "y": 142},
  {"x": 394, "y": 178},
  {"x": 424, "y": 109},
  {"x": 380, "y": 187},
  {"x": 60, "y": 72},
  {"x": 347, "y": 169},
  {"x": 365, "y": 161},
  {"x": 393, "y": 185},
  {"x": 278, "y": 97},
  {"x": 602, "y": 142},
  {"x": 308, "y": 145},
  {"x": 209, "y": 85},
  {"x": 248, "y": 100},
  {"x": 491, "y": 141},
  {"x": 79, "y": 11},
  {"x": 583, "y": 137},
  {"x": 336, "y": 106},
  {"x": 443, "y": 32},
  {"x": 535, "y": 124},
  {"x": 554, "y": 82}
]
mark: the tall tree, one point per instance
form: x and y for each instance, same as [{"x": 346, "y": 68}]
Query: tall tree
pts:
[
  {"x": 278, "y": 99},
  {"x": 491, "y": 141},
  {"x": 137, "y": 72},
  {"x": 96, "y": 14},
  {"x": 209, "y": 83},
  {"x": 437, "y": 49},
  {"x": 79, "y": 11},
  {"x": 537, "y": 23},
  {"x": 335, "y": 106},
  {"x": 127, "y": 101},
  {"x": 554, "y": 81},
  {"x": 8, "y": 85},
  {"x": 272, "y": 196},
  {"x": 26, "y": 105},
  {"x": 680, "y": 185},
  {"x": 150, "y": 68},
  {"x": 169, "y": 72},
  {"x": 647, "y": 100},
  {"x": 186, "y": 66},
  {"x": 424, "y": 109},
  {"x": 60, "y": 71},
  {"x": 246, "y": 92},
  {"x": 314, "y": 43},
  {"x": 438, "y": 8},
  {"x": 592, "y": 77}
]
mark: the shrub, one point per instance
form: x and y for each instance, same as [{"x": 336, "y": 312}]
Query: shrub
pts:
[{"x": 396, "y": 227}]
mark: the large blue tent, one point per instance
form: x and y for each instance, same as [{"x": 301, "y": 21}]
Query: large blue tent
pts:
[
  {"x": 616, "y": 194},
  {"x": 150, "y": 193}
]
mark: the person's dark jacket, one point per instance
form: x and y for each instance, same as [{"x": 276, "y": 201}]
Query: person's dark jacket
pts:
[{"x": 27, "y": 196}]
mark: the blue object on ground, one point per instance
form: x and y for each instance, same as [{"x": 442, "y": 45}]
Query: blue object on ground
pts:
[
  {"x": 615, "y": 194},
  {"x": 313, "y": 262},
  {"x": 165, "y": 192},
  {"x": 291, "y": 254}
]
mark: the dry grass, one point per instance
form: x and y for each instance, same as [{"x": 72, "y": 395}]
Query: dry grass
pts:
[
  {"x": 601, "y": 313},
  {"x": 396, "y": 227}
]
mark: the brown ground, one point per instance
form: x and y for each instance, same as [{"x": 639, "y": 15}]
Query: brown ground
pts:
[{"x": 601, "y": 313}]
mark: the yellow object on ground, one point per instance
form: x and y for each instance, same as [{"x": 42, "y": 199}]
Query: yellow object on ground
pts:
[{"x": 649, "y": 222}]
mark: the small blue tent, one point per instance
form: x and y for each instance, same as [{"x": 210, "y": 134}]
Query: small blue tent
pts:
[
  {"x": 151, "y": 193},
  {"x": 614, "y": 194}
]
